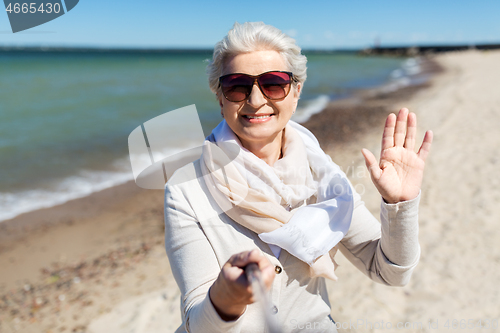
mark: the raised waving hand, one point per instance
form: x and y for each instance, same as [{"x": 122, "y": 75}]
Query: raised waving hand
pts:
[{"x": 398, "y": 176}]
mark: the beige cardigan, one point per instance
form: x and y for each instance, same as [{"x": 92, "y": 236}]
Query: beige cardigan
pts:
[{"x": 200, "y": 238}]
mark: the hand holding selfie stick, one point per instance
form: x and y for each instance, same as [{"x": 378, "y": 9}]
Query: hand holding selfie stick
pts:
[{"x": 254, "y": 276}]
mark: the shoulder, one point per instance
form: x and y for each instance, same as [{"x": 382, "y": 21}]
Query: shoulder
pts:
[
  {"x": 184, "y": 173},
  {"x": 186, "y": 180},
  {"x": 187, "y": 188},
  {"x": 188, "y": 200}
]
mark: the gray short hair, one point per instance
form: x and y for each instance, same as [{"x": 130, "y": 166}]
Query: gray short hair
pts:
[{"x": 255, "y": 36}]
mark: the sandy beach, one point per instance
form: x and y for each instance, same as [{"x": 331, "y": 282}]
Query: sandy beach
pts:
[
  {"x": 98, "y": 264},
  {"x": 455, "y": 285}
]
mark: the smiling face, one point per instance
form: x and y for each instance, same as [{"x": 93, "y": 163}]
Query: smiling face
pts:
[{"x": 258, "y": 121}]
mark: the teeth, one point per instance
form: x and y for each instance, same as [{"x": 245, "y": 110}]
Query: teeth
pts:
[{"x": 259, "y": 117}]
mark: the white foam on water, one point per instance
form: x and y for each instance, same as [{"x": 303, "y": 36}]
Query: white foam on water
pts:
[
  {"x": 80, "y": 185},
  {"x": 77, "y": 186},
  {"x": 399, "y": 78},
  {"x": 310, "y": 107},
  {"x": 85, "y": 182},
  {"x": 404, "y": 76}
]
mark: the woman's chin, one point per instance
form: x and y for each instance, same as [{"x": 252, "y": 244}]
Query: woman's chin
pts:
[{"x": 260, "y": 134}]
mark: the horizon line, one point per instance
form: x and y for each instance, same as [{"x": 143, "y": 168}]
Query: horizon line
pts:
[{"x": 100, "y": 49}]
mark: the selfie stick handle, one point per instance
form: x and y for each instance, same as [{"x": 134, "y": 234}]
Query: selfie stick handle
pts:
[{"x": 254, "y": 276}]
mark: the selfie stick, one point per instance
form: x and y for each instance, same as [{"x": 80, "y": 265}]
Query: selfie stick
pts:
[{"x": 254, "y": 276}]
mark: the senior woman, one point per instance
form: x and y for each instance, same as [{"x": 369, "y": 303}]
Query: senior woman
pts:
[{"x": 264, "y": 192}]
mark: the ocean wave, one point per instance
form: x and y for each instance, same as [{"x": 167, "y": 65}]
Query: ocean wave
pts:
[
  {"x": 405, "y": 76},
  {"x": 77, "y": 186},
  {"x": 310, "y": 107},
  {"x": 84, "y": 183}
]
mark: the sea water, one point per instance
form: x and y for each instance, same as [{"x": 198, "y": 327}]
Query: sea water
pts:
[{"x": 65, "y": 116}]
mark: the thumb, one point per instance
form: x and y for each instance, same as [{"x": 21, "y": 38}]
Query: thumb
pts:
[{"x": 371, "y": 164}]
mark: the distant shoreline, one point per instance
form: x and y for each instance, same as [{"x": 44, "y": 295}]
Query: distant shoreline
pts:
[{"x": 402, "y": 50}]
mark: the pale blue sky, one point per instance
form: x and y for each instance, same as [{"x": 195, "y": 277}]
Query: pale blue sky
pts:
[{"x": 321, "y": 24}]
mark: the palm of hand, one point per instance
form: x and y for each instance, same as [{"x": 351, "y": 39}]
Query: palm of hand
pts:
[{"x": 399, "y": 174}]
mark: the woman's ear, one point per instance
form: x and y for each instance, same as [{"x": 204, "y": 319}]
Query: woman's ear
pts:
[
  {"x": 298, "y": 89},
  {"x": 296, "y": 95},
  {"x": 219, "y": 97}
]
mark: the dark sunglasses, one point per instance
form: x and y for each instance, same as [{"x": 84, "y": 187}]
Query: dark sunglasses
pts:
[{"x": 274, "y": 85}]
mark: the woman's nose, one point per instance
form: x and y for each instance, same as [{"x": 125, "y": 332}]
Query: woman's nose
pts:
[{"x": 256, "y": 97}]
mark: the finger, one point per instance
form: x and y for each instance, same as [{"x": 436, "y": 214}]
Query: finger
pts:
[
  {"x": 388, "y": 135},
  {"x": 265, "y": 266},
  {"x": 371, "y": 164},
  {"x": 234, "y": 275},
  {"x": 425, "y": 148},
  {"x": 234, "y": 269},
  {"x": 411, "y": 132},
  {"x": 257, "y": 257},
  {"x": 400, "y": 131},
  {"x": 241, "y": 259}
]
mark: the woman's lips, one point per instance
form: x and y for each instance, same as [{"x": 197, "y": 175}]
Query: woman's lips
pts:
[{"x": 257, "y": 118}]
